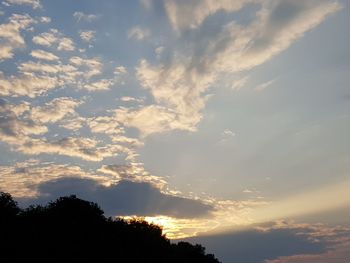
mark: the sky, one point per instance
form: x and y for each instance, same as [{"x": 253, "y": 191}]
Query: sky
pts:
[{"x": 224, "y": 121}]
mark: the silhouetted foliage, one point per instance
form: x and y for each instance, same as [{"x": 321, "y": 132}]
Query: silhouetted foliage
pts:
[
  {"x": 8, "y": 207},
  {"x": 73, "y": 230}
]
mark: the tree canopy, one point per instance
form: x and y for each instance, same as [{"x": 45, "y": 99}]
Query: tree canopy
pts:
[{"x": 70, "y": 229}]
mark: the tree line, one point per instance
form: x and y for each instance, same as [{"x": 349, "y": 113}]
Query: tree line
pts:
[{"x": 70, "y": 229}]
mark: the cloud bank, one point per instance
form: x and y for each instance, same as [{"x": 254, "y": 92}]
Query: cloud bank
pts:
[{"x": 124, "y": 198}]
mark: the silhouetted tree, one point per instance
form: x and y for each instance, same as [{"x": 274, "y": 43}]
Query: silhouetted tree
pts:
[
  {"x": 73, "y": 230},
  {"x": 8, "y": 207}
]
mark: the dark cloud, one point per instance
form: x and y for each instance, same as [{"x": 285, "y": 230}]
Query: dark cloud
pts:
[
  {"x": 253, "y": 246},
  {"x": 124, "y": 198}
]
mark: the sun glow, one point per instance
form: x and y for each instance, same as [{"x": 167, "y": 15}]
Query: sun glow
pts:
[
  {"x": 175, "y": 228},
  {"x": 320, "y": 200}
]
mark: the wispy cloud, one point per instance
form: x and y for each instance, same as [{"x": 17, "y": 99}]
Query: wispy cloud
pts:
[
  {"x": 120, "y": 70},
  {"x": 150, "y": 119},
  {"x": 139, "y": 33},
  {"x": 264, "y": 85},
  {"x": 131, "y": 99},
  {"x": 180, "y": 84},
  {"x": 147, "y": 3},
  {"x": 45, "y": 19},
  {"x": 81, "y": 16},
  {"x": 190, "y": 14},
  {"x": 240, "y": 83}
]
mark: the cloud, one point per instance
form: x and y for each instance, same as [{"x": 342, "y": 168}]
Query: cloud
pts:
[
  {"x": 6, "y": 52},
  {"x": 83, "y": 148},
  {"x": 66, "y": 44},
  {"x": 133, "y": 172},
  {"x": 138, "y": 33},
  {"x": 125, "y": 198},
  {"x": 159, "y": 51},
  {"x": 180, "y": 85},
  {"x": 240, "y": 83},
  {"x": 37, "y": 78},
  {"x": 54, "y": 110},
  {"x": 228, "y": 133},
  {"x": 337, "y": 240},
  {"x": 10, "y": 36},
  {"x": 34, "y": 3},
  {"x": 131, "y": 99},
  {"x": 150, "y": 119},
  {"x": 132, "y": 142},
  {"x": 109, "y": 125},
  {"x": 47, "y": 38},
  {"x": 31, "y": 66},
  {"x": 279, "y": 24},
  {"x": 30, "y": 85},
  {"x": 92, "y": 66},
  {"x": 120, "y": 70},
  {"x": 52, "y": 37},
  {"x": 45, "y": 19},
  {"x": 238, "y": 48},
  {"x": 20, "y": 126},
  {"x": 73, "y": 123},
  {"x": 87, "y": 36},
  {"x": 43, "y": 55},
  {"x": 103, "y": 84},
  {"x": 20, "y": 121},
  {"x": 187, "y": 14},
  {"x": 277, "y": 240},
  {"x": 339, "y": 254},
  {"x": 14, "y": 129},
  {"x": 23, "y": 178},
  {"x": 68, "y": 72},
  {"x": 77, "y": 74},
  {"x": 179, "y": 88},
  {"x": 80, "y": 16},
  {"x": 104, "y": 124},
  {"x": 264, "y": 85},
  {"x": 147, "y": 3}
]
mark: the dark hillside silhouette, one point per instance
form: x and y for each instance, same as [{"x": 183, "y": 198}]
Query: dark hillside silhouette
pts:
[{"x": 70, "y": 229}]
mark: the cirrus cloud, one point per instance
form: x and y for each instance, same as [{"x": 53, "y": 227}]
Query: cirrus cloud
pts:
[{"x": 181, "y": 84}]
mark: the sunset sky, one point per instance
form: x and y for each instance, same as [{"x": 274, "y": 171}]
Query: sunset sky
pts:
[{"x": 226, "y": 121}]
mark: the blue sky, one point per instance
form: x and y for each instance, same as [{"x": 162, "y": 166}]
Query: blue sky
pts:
[{"x": 207, "y": 116}]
